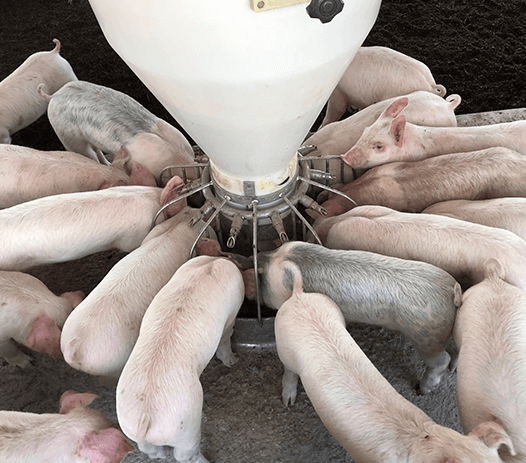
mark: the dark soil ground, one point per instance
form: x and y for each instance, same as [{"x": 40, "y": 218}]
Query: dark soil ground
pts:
[{"x": 474, "y": 48}]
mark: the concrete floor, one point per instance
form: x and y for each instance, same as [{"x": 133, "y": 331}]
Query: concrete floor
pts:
[{"x": 244, "y": 419}]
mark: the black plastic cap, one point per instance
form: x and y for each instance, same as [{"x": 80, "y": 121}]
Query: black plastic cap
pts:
[{"x": 324, "y": 10}]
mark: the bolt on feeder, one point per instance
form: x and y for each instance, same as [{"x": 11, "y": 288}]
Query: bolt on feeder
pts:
[{"x": 246, "y": 79}]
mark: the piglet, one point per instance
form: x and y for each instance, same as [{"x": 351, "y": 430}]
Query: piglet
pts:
[
  {"x": 70, "y": 226},
  {"x": 96, "y": 121},
  {"x": 414, "y": 186},
  {"x": 20, "y": 103},
  {"x": 392, "y": 138},
  {"x": 415, "y": 298},
  {"x": 159, "y": 396},
  {"x": 99, "y": 336},
  {"x": 376, "y": 74},
  {"x": 32, "y": 316},
  {"x": 29, "y": 174},
  {"x": 490, "y": 333},
  {"x": 458, "y": 247},
  {"x": 359, "y": 407},
  {"x": 76, "y": 434},
  {"x": 424, "y": 108},
  {"x": 507, "y": 213}
]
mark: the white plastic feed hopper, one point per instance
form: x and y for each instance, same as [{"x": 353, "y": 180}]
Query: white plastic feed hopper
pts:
[{"x": 245, "y": 85}]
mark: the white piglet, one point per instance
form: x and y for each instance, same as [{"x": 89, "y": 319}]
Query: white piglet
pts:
[
  {"x": 376, "y": 74},
  {"x": 458, "y": 247},
  {"x": 424, "y": 108},
  {"x": 31, "y": 315},
  {"x": 359, "y": 407},
  {"x": 159, "y": 396},
  {"x": 392, "y": 138},
  {"x": 65, "y": 227},
  {"x": 28, "y": 174},
  {"x": 490, "y": 333},
  {"x": 20, "y": 102},
  {"x": 95, "y": 121},
  {"x": 99, "y": 336},
  {"x": 507, "y": 213},
  {"x": 77, "y": 434},
  {"x": 412, "y": 186}
]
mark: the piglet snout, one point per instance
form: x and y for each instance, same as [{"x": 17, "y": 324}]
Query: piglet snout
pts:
[{"x": 44, "y": 336}]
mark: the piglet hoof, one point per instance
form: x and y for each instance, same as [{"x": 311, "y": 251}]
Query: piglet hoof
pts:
[
  {"x": 453, "y": 352},
  {"x": 288, "y": 396},
  {"x": 108, "y": 382},
  {"x": 429, "y": 383},
  {"x": 228, "y": 360},
  {"x": 14, "y": 356},
  {"x": 419, "y": 390},
  {"x": 154, "y": 451},
  {"x": 26, "y": 364}
]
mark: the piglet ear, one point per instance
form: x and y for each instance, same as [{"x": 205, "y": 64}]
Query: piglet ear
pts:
[
  {"x": 140, "y": 175},
  {"x": 120, "y": 158},
  {"x": 72, "y": 399},
  {"x": 250, "y": 283},
  {"x": 398, "y": 130},
  {"x": 493, "y": 435},
  {"x": 396, "y": 107},
  {"x": 107, "y": 446},
  {"x": 209, "y": 247},
  {"x": 249, "y": 278}
]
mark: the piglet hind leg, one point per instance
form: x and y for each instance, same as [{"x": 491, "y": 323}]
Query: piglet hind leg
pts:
[
  {"x": 154, "y": 451},
  {"x": 453, "y": 352},
  {"x": 97, "y": 154},
  {"x": 224, "y": 349},
  {"x": 13, "y": 355},
  {"x": 290, "y": 387},
  {"x": 189, "y": 456}
]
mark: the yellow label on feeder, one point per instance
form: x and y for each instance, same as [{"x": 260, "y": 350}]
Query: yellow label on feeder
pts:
[{"x": 264, "y": 5}]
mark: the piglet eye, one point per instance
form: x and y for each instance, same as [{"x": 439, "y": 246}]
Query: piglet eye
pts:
[{"x": 379, "y": 147}]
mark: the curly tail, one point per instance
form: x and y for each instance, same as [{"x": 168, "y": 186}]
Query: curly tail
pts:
[
  {"x": 42, "y": 93},
  {"x": 454, "y": 100},
  {"x": 440, "y": 89},
  {"x": 57, "y": 46},
  {"x": 297, "y": 281}
]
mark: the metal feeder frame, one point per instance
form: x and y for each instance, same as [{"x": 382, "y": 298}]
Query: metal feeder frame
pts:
[{"x": 260, "y": 210}]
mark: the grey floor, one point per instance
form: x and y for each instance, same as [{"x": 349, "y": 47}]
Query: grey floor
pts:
[{"x": 244, "y": 420}]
